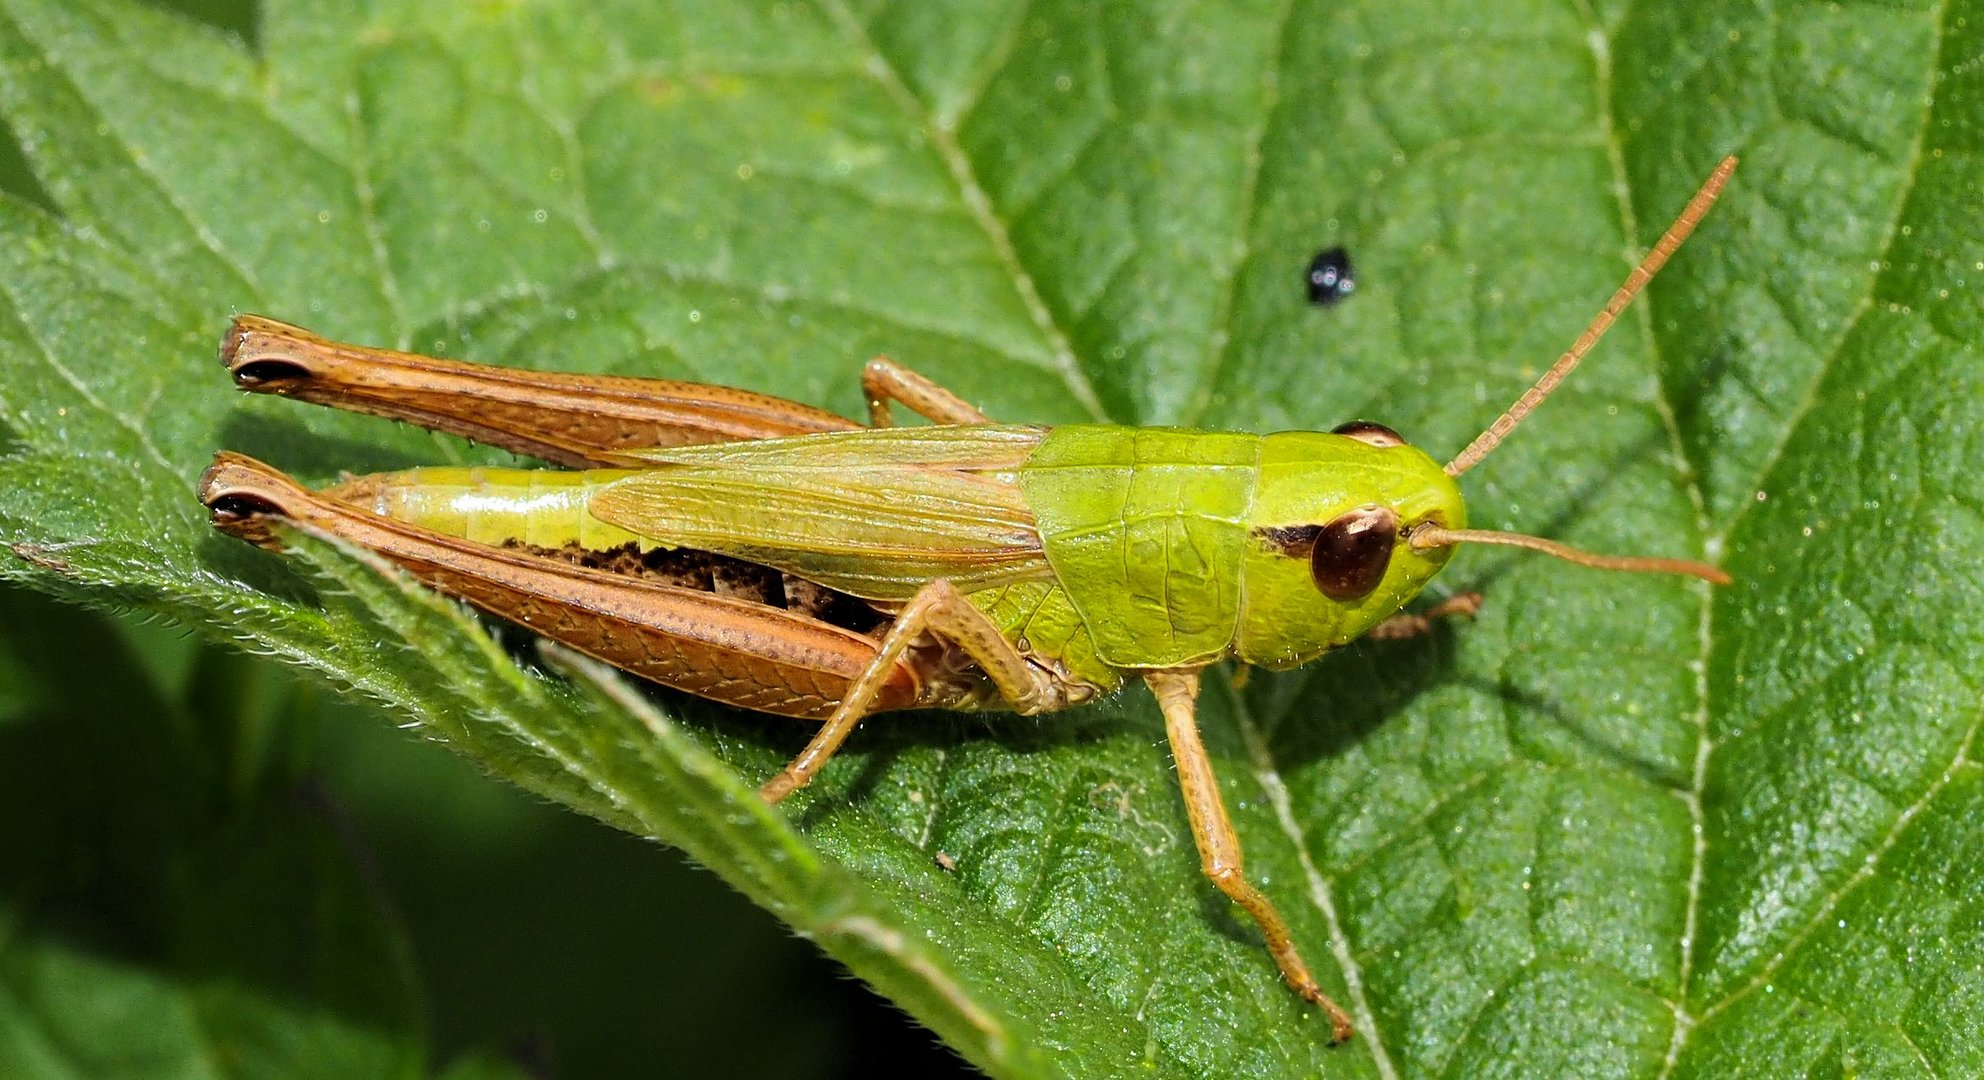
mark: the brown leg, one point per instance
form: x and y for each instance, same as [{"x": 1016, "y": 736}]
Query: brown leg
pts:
[
  {"x": 730, "y": 650},
  {"x": 1406, "y": 625},
  {"x": 936, "y": 608},
  {"x": 884, "y": 380},
  {"x": 1219, "y": 848},
  {"x": 575, "y": 420}
]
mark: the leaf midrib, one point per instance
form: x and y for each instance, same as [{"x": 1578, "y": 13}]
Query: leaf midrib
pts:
[
  {"x": 1716, "y": 538},
  {"x": 1599, "y": 41}
]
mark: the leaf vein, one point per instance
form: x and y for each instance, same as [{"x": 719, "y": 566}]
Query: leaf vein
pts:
[
  {"x": 140, "y": 162},
  {"x": 1601, "y": 56},
  {"x": 1870, "y": 866},
  {"x": 1250, "y": 197},
  {"x": 944, "y": 142},
  {"x": 1811, "y": 397}
]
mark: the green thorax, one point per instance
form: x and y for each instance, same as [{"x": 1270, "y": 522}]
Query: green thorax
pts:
[
  {"x": 1164, "y": 539},
  {"x": 1037, "y": 617}
]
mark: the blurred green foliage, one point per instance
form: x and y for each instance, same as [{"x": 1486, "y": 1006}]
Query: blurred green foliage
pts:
[{"x": 287, "y": 865}]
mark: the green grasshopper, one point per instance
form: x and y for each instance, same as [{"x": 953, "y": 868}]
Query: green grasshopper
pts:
[{"x": 772, "y": 556}]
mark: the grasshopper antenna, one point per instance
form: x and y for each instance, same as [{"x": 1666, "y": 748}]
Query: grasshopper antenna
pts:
[
  {"x": 1430, "y": 536},
  {"x": 1670, "y": 242}
]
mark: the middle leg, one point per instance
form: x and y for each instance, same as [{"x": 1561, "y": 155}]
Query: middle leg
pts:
[
  {"x": 884, "y": 380},
  {"x": 937, "y": 608}
]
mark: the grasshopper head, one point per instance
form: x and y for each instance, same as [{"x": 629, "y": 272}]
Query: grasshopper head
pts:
[
  {"x": 1348, "y": 526},
  {"x": 1328, "y": 554}
]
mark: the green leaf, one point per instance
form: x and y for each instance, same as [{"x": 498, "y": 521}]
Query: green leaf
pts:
[
  {"x": 161, "y": 915},
  {"x": 1614, "y": 827},
  {"x": 66, "y": 1013}
]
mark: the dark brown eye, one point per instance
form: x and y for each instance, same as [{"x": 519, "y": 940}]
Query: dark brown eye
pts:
[
  {"x": 1352, "y": 552},
  {"x": 1365, "y": 431}
]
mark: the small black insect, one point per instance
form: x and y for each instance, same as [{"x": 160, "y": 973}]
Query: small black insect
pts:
[{"x": 1331, "y": 277}]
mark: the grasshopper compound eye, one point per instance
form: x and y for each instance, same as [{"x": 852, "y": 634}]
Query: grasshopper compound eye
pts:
[
  {"x": 1352, "y": 552},
  {"x": 1365, "y": 431}
]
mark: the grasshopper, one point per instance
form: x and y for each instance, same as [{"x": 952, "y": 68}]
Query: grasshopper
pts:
[{"x": 769, "y": 555}]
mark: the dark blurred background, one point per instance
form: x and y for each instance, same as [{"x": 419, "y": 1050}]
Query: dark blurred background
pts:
[{"x": 212, "y": 819}]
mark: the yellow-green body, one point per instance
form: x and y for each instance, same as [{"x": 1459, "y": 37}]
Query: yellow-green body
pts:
[
  {"x": 1098, "y": 550},
  {"x": 1161, "y": 537}
]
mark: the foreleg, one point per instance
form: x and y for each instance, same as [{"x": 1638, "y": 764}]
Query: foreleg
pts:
[
  {"x": 1177, "y": 694},
  {"x": 1407, "y": 625}
]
